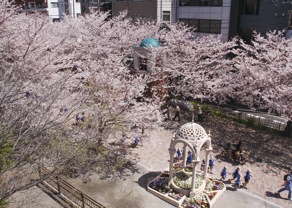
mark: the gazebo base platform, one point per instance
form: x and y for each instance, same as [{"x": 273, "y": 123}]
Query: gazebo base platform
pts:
[{"x": 205, "y": 198}]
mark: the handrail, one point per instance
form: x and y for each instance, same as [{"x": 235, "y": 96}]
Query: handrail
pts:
[
  {"x": 67, "y": 191},
  {"x": 270, "y": 123}
]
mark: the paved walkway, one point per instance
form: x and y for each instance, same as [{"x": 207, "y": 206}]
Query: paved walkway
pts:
[
  {"x": 265, "y": 181},
  {"x": 32, "y": 198},
  {"x": 153, "y": 157}
]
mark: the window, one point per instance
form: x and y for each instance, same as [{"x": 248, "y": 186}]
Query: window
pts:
[
  {"x": 251, "y": 7},
  {"x": 203, "y": 26},
  {"x": 31, "y": 5},
  {"x": 143, "y": 63},
  {"x": 200, "y": 2},
  {"x": 54, "y": 4},
  {"x": 205, "y": 3},
  {"x": 215, "y": 26},
  {"x": 193, "y": 23},
  {"x": 166, "y": 16}
]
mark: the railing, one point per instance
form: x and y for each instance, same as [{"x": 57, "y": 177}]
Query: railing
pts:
[
  {"x": 67, "y": 192},
  {"x": 260, "y": 120}
]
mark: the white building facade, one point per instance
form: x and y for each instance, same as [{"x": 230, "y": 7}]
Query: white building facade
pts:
[
  {"x": 55, "y": 9},
  {"x": 205, "y": 16}
]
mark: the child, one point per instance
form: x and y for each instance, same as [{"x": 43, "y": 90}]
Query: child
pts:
[
  {"x": 223, "y": 173},
  {"x": 237, "y": 182},
  {"x": 190, "y": 157},
  {"x": 178, "y": 154},
  {"x": 203, "y": 165},
  {"x": 136, "y": 141},
  {"x": 211, "y": 164},
  {"x": 235, "y": 173},
  {"x": 246, "y": 178}
]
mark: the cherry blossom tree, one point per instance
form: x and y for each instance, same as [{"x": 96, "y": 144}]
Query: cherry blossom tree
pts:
[
  {"x": 257, "y": 74},
  {"x": 33, "y": 91},
  {"x": 263, "y": 73},
  {"x": 51, "y": 71}
]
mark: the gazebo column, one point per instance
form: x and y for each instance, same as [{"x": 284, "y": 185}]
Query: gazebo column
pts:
[
  {"x": 208, "y": 151},
  {"x": 185, "y": 156},
  {"x": 171, "y": 153},
  {"x": 195, "y": 164}
]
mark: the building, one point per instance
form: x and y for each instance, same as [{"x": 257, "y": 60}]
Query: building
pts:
[
  {"x": 258, "y": 15},
  {"x": 226, "y": 17},
  {"x": 54, "y": 8},
  {"x": 205, "y": 16},
  {"x": 159, "y": 10}
]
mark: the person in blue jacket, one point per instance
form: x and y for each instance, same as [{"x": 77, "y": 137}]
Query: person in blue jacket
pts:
[
  {"x": 211, "y": 164},
  {"x": 247, "y": 178},
  {"x": 136, "y": 141},
  {"x": 178, "y": 154},
  {"x": 235, "y": 173},
  {"x": 287, "y": 186},
  {"x": 223, "y": 173},
  {"x": 190, "y": 157},
  {"x": 237, "y": 181}
]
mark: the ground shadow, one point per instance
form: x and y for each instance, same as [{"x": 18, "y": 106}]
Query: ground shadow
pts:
[
  {"x": 272, "y": 194},
  {"x": 229, "y": 188},
  {"x": 228, "y": 160},
  {"x": 265, "y": 146},
  {"x": 146, "y": 178}
]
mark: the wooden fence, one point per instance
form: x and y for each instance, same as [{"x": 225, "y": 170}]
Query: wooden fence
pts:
[{"x": 66, "y": 191}]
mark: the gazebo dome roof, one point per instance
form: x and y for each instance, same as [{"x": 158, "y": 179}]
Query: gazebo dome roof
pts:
[
  {"x": 192, "y": 132},
  {"x": 150, "y": 42}
]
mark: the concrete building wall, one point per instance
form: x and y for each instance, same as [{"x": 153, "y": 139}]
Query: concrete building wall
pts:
[
  {"x": 269, "y": 17},
  {"x": 221, "y": 13},
  {"x": 258, "y": 15},
  {"x": 136, "y": 8},
  {"x": 164, "y": 7}
]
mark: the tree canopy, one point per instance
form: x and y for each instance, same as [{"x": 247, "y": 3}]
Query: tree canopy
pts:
[{"x": 50, "y": 71}]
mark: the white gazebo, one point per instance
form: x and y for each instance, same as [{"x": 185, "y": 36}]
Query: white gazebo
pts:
[{"x": 194, "y": 138}]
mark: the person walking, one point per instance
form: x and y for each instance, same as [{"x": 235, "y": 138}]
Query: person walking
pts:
[
  {"x": 211, "y": 165},
  {"x": 235, "y": 173},
  {"x": 247, "y": 178},
  {"x": 200, "y": 113},
  {"x": 287, "y": 186},
  {"x": 237, "y": 181},
  {"x": 166, "y": 112},
  {"x": 223, "y": 173},
  {"x": 136, "y": 141},
  {"x": 190, "y": 157},
  {"x": 178, "y": 154},
  {"x": 177, "y": 113},
  {"x": 203, "y": 165},
  {"x": 82, "y": 117}
]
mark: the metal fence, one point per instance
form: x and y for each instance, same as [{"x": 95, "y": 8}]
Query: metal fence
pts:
[
  {"x": 67, "y": 192},
  {"x": 274, "y": 124}
]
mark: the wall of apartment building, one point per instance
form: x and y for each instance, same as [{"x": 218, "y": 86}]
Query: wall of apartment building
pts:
[
  {"x": 261, "y": 16},
  {"x": 136, "y": 8},
  {"x": 220, "y": 14},
  {"x": 54, "y": 8},
  {"x": 164, "y": 11}
]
